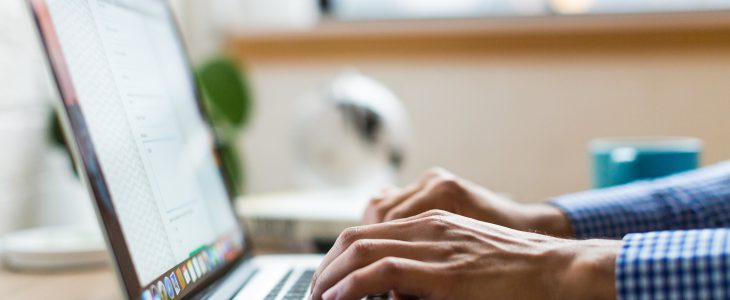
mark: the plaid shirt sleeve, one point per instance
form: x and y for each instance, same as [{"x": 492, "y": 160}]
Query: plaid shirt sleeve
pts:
[
  {"x": 691, "y": 200},
  {"x": 684, "y": 264}
]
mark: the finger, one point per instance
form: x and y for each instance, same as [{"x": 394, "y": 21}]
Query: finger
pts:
[
  {"x": 369, "y": 216},
  {"x": 391, "y": 231},
  {"x": 366, "y": 252},
  {"x": 443, "y": 192},
  {"x": 376, "y": 211},
  {"x": 396, "y": 230},
  {"x": 381, "y": 209},
  {"x": 404, "y": 276},
  {"x": 420, "y": 202},
  {"x": 387, "y": 192},
  {"x": 426, "y": 214}
]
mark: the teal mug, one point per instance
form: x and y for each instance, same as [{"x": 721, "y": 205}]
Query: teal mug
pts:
[{"x": 619, "y": 161}]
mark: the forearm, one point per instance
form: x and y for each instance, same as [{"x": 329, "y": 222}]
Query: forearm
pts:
[{"x": 547, "y": 219}]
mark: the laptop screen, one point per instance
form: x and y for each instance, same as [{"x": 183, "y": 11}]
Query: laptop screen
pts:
[{"x": 146, "y": 149}]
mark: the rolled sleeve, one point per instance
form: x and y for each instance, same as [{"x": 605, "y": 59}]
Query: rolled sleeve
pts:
[{"x": 691, "y": 200}]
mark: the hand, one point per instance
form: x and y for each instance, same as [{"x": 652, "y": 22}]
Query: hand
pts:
[
  {"x": 439, "y": 189},
  {"x": 440, "y": 255}
]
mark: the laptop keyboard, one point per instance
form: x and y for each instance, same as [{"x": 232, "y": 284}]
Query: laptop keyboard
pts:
[{"x": 298, "y": 289}]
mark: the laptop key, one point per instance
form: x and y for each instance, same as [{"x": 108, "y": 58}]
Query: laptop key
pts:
[
  {"x": 277, "y": 288},
  {"x": 300, "y": 287}
]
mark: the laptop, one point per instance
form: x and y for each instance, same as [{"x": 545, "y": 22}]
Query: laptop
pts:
[{"x": 141, "y": 141}]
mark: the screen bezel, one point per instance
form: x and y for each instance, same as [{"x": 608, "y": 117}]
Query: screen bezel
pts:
[{"x": 87, "y": 162}]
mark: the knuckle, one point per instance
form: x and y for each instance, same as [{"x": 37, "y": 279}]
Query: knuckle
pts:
[
  {"x": 375, "y": 201},
  {"x": 350, "y": 235},
  {"x": 390, "y": 266},
  {"x": 438, "y": 172},
  {"x": 448, "y": 185},
  {"x": 437, "y": 213},
  {"x": 437, "y": 223},
  {"x": 433, "y": 172},
  {"x": 362, "y": 248}
]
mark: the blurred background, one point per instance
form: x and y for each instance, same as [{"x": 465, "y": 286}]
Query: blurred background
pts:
[{"x": 505, "y": 93}]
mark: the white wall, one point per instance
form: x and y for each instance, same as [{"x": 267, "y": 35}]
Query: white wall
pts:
[
  {"x": 516, "y": 122},
  {"x": 23, "y": 113},
  {"x": 21, "y": 70}
]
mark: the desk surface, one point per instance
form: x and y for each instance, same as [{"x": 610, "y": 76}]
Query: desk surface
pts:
[
  {"x": 97, "y": 283},
  {"x": 101, "y": 283}
]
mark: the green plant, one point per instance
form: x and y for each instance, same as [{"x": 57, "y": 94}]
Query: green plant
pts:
[
  {"x": 57, "y": 139},
  {"x": 227, "y": 99}
]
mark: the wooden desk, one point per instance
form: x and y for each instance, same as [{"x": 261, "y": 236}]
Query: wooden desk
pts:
[{"x": 78, "y": 285}]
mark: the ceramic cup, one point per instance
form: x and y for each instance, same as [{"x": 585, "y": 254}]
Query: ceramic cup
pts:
[{"x": 619, "y": 161}]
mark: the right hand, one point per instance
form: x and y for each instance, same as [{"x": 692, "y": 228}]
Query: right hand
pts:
[
  {"x": 440, "y": 255},
  {"x": 439, "y": 189}
]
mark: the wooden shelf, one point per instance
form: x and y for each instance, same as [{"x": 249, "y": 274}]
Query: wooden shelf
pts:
[{"x": 334, "y": 38}]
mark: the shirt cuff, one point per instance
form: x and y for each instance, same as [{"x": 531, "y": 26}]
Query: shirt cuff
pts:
[{"x": 693, "y": 264}]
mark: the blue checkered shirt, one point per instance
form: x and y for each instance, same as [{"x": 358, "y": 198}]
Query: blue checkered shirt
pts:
[{"x": 675, "y": 230}]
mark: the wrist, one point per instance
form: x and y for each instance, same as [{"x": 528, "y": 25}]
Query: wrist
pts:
[
  {"x": 549, "y": 219},
  {"x": 590, "y": 273}
]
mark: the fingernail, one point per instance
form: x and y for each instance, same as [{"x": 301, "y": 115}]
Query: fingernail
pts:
[{"x": 330, "y": 294}]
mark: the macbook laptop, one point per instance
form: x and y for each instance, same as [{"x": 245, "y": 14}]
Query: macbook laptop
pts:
[{"x": 143, "y": 145}]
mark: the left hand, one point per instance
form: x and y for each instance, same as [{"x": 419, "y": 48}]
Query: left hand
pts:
[
  {"x": 440, "y": 255},
  {"x": 440, "y": 189}
]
